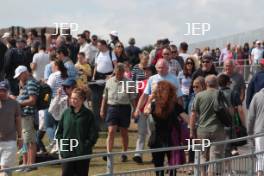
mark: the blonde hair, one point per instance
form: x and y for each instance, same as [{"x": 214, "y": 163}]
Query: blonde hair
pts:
[{"x": 83, "y": 92}]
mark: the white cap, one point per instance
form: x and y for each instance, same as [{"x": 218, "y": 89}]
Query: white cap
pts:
[
  {"x": 6, "y": 34},
  {"x": 258, "y": 42},
  {"x": 114, "y": 33},
  {"x": 20, "y": 69}
]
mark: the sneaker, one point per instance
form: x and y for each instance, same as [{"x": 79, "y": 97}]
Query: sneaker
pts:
[
  {"x": 137, "y": 159},
  {"x": 41, "y": 152},
  {"x": 30, "y": 169},
  {"x": 54, "y": 149},
  {"x": 20, "y": 170},
  {"x": 123, "y": 158}
]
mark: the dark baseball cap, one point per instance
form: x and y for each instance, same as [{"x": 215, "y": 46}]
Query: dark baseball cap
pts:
[
  {"x": 4, "y": 85},
  {"x": 207, "y": 57},
  {"x": 69, "y": 82}
]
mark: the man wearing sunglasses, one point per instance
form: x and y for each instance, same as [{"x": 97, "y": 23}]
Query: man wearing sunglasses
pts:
[{"x": 207, "y": 68}]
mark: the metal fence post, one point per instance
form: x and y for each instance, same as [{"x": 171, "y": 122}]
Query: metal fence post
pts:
[
  {"x": 109, "y": 165},
  {"x": 197, "y": 160},
  {"x": 252, "y": 150}
]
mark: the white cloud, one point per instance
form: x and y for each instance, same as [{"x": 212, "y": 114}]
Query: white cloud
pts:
[{"x": 144, "y": 20}]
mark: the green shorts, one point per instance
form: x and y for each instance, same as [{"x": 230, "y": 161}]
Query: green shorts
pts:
[{"x": 28, "y": 130}]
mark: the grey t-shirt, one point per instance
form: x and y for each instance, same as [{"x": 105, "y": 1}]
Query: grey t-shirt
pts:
[
  {"x": 238, "y": 82},
  {"x": 9, "y": 110},
  {"x": 204, "y": 106}
]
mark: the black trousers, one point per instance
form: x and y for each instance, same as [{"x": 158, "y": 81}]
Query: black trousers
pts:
[
  {"x": 158, "y": 160},
  {"x": 76, "y": 168}
]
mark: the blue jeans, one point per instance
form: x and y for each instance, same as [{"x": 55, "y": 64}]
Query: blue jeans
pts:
[
  {"x": 186, "y": 101},
  {"x": 51, "y": 125}
]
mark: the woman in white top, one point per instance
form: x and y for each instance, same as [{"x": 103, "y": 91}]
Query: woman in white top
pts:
[
  {"x": 55, "y": 80},
  {"x": 57, "y": 77}
]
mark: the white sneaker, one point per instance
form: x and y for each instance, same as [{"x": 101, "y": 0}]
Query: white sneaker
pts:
[{"x": 54, "y": 149}]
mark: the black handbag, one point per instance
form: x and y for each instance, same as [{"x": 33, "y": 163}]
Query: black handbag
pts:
[
  {"x": 238, "y": 130},
  {"x": 221, "y": 109}
]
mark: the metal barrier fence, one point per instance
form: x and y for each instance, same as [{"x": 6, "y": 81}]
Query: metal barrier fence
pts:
[
  {"x": 247, "y": 71},
  {"x": 237, "y": 165}
]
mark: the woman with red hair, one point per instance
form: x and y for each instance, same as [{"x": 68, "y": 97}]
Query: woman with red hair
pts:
[{"x": 167, "y": 132}]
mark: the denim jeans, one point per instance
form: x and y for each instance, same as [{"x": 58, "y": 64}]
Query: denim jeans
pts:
[{"x": 51, "y": 125}]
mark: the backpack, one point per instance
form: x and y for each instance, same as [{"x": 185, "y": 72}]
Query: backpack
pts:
[
  {"x": 222, "y": 110},
  {"x": 44, "y": 97}
]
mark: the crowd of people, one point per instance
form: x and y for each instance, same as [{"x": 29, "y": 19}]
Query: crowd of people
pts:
[{"x": 94, "y": 85}]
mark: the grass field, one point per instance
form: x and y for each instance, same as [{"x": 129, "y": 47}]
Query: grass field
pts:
[{"x": 98, "y": 165}]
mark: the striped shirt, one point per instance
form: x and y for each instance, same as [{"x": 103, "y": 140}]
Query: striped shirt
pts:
[
  {"x": 137, "y": 73},
  {"x": 71, "y": 70},
  {"x": 31, "y": 88},
  {"x": 55, "y": 81}
]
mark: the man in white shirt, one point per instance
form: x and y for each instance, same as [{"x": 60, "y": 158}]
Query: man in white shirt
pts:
[
  {"x": 256, "y": 55},
  {"x": 84, "y": 46},
  {"x": 40, "y": 60},
  {"x": 104, "y": 62},
  {"x": 93, "y": 50}
]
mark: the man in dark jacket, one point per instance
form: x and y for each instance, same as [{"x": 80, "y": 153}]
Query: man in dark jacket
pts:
[
  {"x": 255, "y": 84},
  {"x": 13, "y": 58},
  {"x": 132, "y": 52},
  {"x": 3, "y": 49},
  {"x": 207, "y": 68}
]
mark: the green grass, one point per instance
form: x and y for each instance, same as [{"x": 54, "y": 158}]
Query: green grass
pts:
[{"x": 97, "y": 165}]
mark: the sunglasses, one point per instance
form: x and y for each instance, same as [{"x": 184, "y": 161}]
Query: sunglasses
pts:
[
  {"x": 189, "y": 63},
  {"x": 166, "y": 54},
  {"x": 119, "y": 46},
  {"x": 174, "y": 52}
]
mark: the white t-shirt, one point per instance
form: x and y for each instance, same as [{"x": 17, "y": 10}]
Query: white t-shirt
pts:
[
  {"x": 184, "y": 56},
  {"x": 92, "y": 53},
  {"x": 104, "y": 62},
  {"x": 257, "y": 54},
  {"x": 85, "y": 49},
  {"x": 41, "y": 59}
]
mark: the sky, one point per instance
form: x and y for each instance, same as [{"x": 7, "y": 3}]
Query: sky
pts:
[{"x": 146, "y": 20}]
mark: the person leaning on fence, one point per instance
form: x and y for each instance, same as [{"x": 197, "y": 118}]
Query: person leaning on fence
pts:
[
  {"x": 117, "y": 99},
  {"x": 255, "y": 125},
  {"x": 166, "y": 112},
  {"x": 77, "y": 123},
  {"x": 209, "y": 126},
  {"x": 10, "y": 128}
]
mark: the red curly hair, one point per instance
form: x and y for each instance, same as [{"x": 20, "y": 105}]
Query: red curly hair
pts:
[{"x": 165, "y": 99}]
